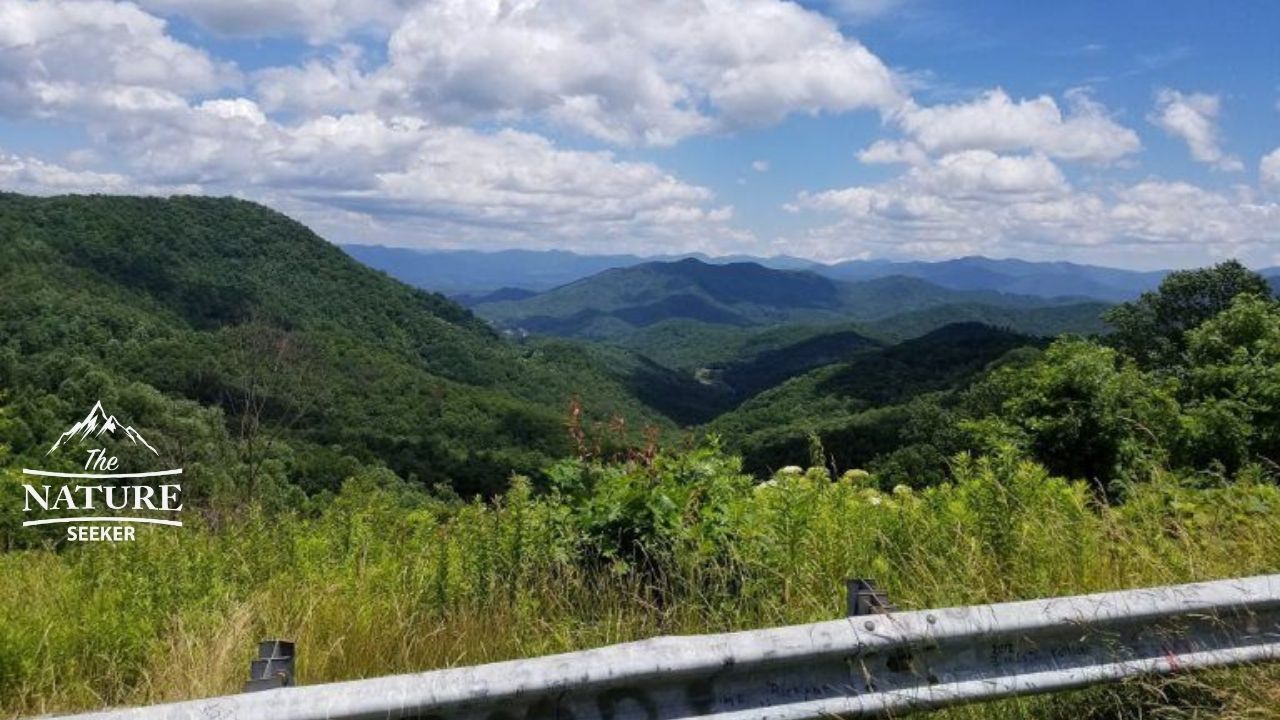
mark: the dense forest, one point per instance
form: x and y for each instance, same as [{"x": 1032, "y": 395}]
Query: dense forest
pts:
[
  {"x": 207, "y": 319},
  {"x": 377, "y": 472}
]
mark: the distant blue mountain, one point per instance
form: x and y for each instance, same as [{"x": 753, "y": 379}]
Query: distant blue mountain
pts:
[
  {"x": 1273, "y": 276},
  {"x": 1021, "y": 277},
  {"x": 616, "y": 303},
  {"x": 473, "y": 273}
]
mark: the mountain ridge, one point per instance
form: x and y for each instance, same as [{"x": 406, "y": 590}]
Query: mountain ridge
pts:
[
  {"x": 472, "y": 273},
  {"x": 618, "y": 301}
]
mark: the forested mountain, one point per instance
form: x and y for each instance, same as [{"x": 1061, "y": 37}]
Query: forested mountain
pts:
[
  {"x": 1076, "y": 318},
  {"x": 237, "y": 307},
  {"x": 855, "y": 404},
  {"x": 616, "y": 303}
]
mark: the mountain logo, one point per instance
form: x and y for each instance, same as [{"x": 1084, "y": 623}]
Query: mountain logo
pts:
[
  {"x": 96, "y": 423},
  {"x": 93, "y": 500}
]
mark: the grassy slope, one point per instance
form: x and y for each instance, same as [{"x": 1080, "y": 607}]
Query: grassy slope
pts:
[
  {"x": 157, "y": 291},
  {"x": 385, "y": 582}
]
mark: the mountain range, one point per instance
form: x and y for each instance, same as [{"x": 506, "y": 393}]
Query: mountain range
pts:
[
  {"x": 616, "y": 303},
  {"x": 194, "y": 312},
  {"x": 473, "y": 274}
]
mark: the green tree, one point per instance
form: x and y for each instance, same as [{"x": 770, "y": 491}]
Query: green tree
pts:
[
  {"x": 1232, "y": 387},
  {"x": 1086, "y": 411},
  {"x": 1151, "y": 329}
]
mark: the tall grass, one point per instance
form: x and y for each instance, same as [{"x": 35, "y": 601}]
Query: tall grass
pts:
[{"x": 384, "y": 579}]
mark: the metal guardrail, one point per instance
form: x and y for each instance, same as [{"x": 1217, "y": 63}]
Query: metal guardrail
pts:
[{"x": 857, "y": 666}]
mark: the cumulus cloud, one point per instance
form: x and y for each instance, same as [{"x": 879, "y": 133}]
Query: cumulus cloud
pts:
[
  {"x": 80, "y": 56},
  {"x": 144, "y": 98},
  {"x": 1193, "y": 118},
  {"x": 1269, "y": 169},
  {"x": 430, "y": 142},
  {"x": 316, "y": 20},
  {"x": 996, "y": 122},
  {"x": 509, "y": 184},
  {"x": 892, "y": 152},
  {"x": 679, "y": 68},
  {"x": 34, "y": 176},
  {"x": 979, "y": 202}
]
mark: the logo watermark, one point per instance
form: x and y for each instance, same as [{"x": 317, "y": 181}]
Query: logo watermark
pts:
[{"x": 101, "y": 489}]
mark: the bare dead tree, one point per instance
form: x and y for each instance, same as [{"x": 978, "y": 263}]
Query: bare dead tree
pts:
[{"x": 272, "y": 389}]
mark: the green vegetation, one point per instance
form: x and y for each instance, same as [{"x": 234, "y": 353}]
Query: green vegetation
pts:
[
  {"x": 385, "y": 578},
  {"x": 225, "y": 303},
  {"x": 856, "y": 409},
  {"x": 1086, "y": 409},
  {"x": 334, "y": 427},
  {"x": 1077, "y": 318}
]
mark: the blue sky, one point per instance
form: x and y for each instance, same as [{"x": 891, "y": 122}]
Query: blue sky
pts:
[{"x": 1140, "y": 134}]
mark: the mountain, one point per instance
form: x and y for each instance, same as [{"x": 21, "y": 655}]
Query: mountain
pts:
[
  {"x": 1020, "y": 277},
  {"x": 1083, "y": 318},
  {"x": 470, "y": 272},
  {"x": 96, "y": 423},
  {"x": 856, "y": 401},
  {"x": 615, "y": 303},
  {"x": 1273, "y": 276},
  {"x": 499, "y": 295},
  {"x": 191, "y": 305}
]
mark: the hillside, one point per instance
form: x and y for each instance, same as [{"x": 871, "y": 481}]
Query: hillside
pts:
[
  {"x": 232, "y": 305},
  {"x": 856, "y": 400},
  {"x": 616, "y": 303},
  {"x": 1083, "y": 318}
]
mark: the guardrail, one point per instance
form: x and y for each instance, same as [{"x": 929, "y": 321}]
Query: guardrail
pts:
[{"x": 857, "y": 666}]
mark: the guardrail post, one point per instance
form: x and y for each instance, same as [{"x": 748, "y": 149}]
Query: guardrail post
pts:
[
  {"x": 864, "y": 598},
  {"x": 273, "y": 668}
]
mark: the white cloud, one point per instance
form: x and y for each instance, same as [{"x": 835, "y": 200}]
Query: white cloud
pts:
[
  {"x": 1269, "y": 169},
  {"x": 1193, "y": 117},
  {"x": 977, "y": 202},
  {"x": 893, "y": 152},
  {"x": 36, "y": 177},
  {"x": 316, "y": 20},
  {"x": 450, "y": 184},
  {"x": 679, "y": 68},
  {"x": 996, "y": 122},
  {"x": 31, "y": 175},
  {"x": 144, "y": 100},
  {"x": 389, "y": 145},
  {"x": 75, "y": 56}
]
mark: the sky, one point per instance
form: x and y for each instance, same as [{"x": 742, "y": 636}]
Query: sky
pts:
[{"x": 1141, "y": 134}]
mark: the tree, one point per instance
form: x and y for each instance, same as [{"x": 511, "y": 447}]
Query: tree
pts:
[
  {"x": 1232, "y": 387},
  {"x": 1086, "y": 411},
  {"x": 272, "y": 374},
  {"x": 1151, "y": 329}
]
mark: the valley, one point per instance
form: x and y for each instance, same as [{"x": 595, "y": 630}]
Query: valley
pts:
[{"x": 668, "y": 446}]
